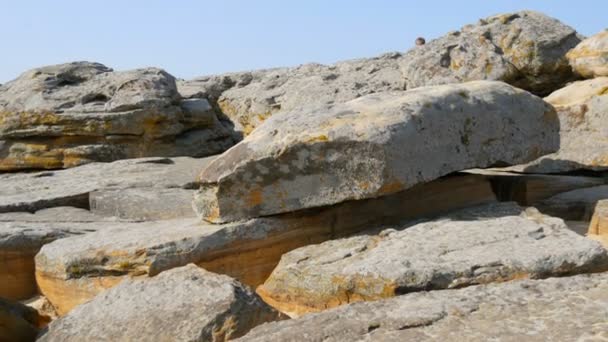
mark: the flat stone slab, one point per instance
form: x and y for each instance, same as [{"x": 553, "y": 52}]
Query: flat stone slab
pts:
[
  {"x": 39, "y": 190},
  {"x": 183, "y": 304},
  {"x": 492, "y": 243},
  {"x": 590, "y": 57},
  {"x": 74, "y": 270},
  {"x": 374, "y": 146},
  {"x": 555, "y": 309}
]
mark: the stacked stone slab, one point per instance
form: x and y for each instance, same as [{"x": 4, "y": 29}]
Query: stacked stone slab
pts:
[{"x": 70, "y": 114}]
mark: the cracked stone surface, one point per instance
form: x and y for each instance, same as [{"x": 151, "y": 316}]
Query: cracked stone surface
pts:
[
  {"x": 555, "y": 309},
  {"x": 492, "y": 243}
]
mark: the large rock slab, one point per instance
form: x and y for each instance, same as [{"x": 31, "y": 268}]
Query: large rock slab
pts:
[
  {"x": 582, "y": 108},
  {"x": 590, "y": 58},
  {"x": 183, "y": 304},
  {"x": 577, "y": 205},
  {"x": 249, "y": 98},
  {"x": 19, "y": 323},
  {"x": 74, "y": 270},
  {"x": 22, "y": 235},
  {"x": 480, "y": 245},
  {"x": 72, "y": 187},
  {"x": 70, "y": 114},
  {"x": 526, "y": 49},
  {"x": 374, "y": 146},
  {"x": 556, "y": 309}
]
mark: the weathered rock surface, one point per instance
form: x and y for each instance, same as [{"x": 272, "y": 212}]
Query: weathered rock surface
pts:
[
  {"x": 19, "y": 323},
  {"x": 526, "y": 49},
  {"x": 598, "y": 227},
  {"x": 590, "y": 58},
  {"x": 556, "y": 309},
  {"x": 146, "y": 204},
  {"x": 38, "y": 190},
  {"x": 184, "y": 304},
  {"x": 72, "y": 271},
  {"x": 42, "y": 306},
  {"x": 249, "y": 98},
  {"x": 574, "y": 205},
  {"x": 374, "y": 146},
  {"x": 480, "y": 245},
  {"x": 70, "y": 114},
  {"x": 22, "y": 235},
  {"x": 582, "y": 108}
]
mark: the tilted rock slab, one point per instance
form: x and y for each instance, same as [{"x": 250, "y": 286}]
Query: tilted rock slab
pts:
[
  {"x": 590, "y": 57},
  {"x": 74, "y": 270},
  {"x": 374, "y": 146},
  {"x": 72, "y": 187},
  {"x": 249, "y": 98},
  {"x": 480, "y": 245},
  {"x": 70, "y": 114},
  {"x": 22, "y": 235},
  {"x": 183, "y": 304},
  {"x": 556, "y": 309},
  {"x": 582, "y": 108},
  {"x": 526, "y": 49}
]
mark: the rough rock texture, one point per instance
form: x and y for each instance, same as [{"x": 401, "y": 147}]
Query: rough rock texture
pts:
[
  {"x": 598, "y": 227},
  {"x": 374, "y": 146},
  {"x": 249, "y": 98},
  {"x": 590, "y": 58},
  {"x": 146, "y": 204},
  {"x": 69, "y": 114},
  {"x": 526, "y": 49},
  {"x": 38, "y": 190},
  {"x": 583, "y": 114},
  {"x": 557, "y": 309},
  {"x": 42, "y": 306},
  {"x": 72, "y": 271},
  {"x": 479, "y": 245},
  {"x": 22, "y": 235},
  {"x": 19, "y": 323},
  {"x": 184, "y": 304},
  {"x": 574, "y": 205}
]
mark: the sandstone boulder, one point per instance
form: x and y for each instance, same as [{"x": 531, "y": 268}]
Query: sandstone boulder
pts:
[
  {"x": 70, "y": 114},
  {"x": 480, "y": 245},
  {"x": 374, "y": 146},
  {"x": 74, "y": 270},
  {"x": 72, "y": 187},
  {"x": 249, "y": 98},
  {"x": 582, "y": 108},
  {"x": 590, "y": 58},
  {"x": 19, "y": 323},
  {"x": 526, "y": 49},
  {"x": 184, "y": 304},
  {"x": 556, "y": 309}
]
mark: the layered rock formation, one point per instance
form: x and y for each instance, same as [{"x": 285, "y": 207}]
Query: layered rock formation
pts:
[
  {"x": 70, "y": 114},
  {"x": 590, "y": 58},
  {"x": 476, "y": 246},
  {"x": 184, "y": 304},
  {"x": 374, "y": 146}
]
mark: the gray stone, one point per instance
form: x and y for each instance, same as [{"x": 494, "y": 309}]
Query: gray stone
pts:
[
  {"x": 526, "y": 49},
  {"x": 70, "y": 114},
  {"x": 557, "y": 309},
  {"x": 38, "y": 190},
  {"x": 146, "y": 204},
  {"x": 73, "y": 270},
  {"x": 183, "y": 304},
  {"x": 576, "y": 205},
  {"x": 373, "y": 146},
  {"x": 590, "y": 58},
  {"x": 492, "y": 243}
]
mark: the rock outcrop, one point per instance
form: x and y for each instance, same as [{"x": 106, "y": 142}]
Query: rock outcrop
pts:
[
  {"x": 557, "y": 309},
  {"x": 184, "y": 304},
  {"x": 374, "y": 146},
  {"x": 476, "y": 246},
  {"x": 19, "y": 323},
  {"x": 74, "y": 270},
  {"x": 526, "y": 49},
  {"x": 590, "y": 58},
  {"x": 70, "y": 114}
]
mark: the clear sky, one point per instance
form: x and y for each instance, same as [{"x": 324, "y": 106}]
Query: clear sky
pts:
[{"x": 192, "y": 38}]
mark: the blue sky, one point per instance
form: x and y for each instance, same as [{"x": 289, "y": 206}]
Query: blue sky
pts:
[{"x": 191, "y": 38}]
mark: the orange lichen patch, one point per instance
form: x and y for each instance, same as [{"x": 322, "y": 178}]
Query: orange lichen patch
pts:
[
  {"x": 254, "y": 198},
  {"x": 600, "y": 161},
  {"x": 363, "y": 185},
  {"x": 318, "y": 138},
  {"x": 391, "y": 187}
]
